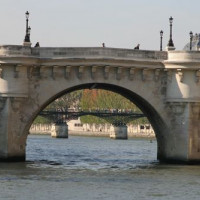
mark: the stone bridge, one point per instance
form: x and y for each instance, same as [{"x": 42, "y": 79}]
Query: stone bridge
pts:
[
  {"x": 118, "y": 120},
  {"x": 164, "y": 85}
]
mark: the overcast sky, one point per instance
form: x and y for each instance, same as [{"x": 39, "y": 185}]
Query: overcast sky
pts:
[{"x": 117, "y": 23}]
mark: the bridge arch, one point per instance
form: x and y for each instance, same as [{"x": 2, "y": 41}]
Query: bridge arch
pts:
[
  {"x": 164, "y": 85},
  {"x": 151, "y": 112}
]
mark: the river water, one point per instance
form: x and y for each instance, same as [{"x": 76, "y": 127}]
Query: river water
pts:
[{"x": 93, "y": 168}]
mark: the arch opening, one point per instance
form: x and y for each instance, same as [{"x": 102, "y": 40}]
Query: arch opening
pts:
[{"x": 150, "y": 112}]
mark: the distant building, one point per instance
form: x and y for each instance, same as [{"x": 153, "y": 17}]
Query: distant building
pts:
[{"x": 195, "y": 43}]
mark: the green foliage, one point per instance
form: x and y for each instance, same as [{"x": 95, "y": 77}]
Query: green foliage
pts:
[
  {"x": 41, "y": 120},
  {"x": 103, "y": 99},
  {"x": 142, "y": 120},
  {"x": 92, "y": 100},
  {"x": 62, "y": 103},
  {"x": 92, "y": 119},
  {"x": 66, "y": 101}
]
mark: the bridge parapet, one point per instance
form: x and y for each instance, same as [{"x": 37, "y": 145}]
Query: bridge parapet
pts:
[
  {"x": 184, "y": 59},
  {"x": 14, "y": 50},
  {"x": 81, "y": 52},
  {"x": 99, "y": 52}
]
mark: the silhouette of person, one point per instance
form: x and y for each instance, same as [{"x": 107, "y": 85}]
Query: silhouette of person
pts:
[
  {"x": 103, "y": 44},
  {"x": 37, "y": 44},
  {"x": 137, "y": 47}
]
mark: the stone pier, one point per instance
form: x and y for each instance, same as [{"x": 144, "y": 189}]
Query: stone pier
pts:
[
  {"x": 119, "y": 132},
  {"x": 59, "y": 130}
]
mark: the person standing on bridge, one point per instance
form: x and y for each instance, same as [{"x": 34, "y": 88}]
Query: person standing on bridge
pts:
[
  {"x": 37, "y": 44},
  {"x": 137, "y": 47}
]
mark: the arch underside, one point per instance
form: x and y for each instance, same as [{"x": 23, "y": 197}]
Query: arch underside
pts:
[{"x": 149, "y": 111}]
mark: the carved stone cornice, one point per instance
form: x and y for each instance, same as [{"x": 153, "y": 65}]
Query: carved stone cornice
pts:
[
  {"x": 157, "y": 74},
  {"x": 67, "y": 71},
  {"x": 119, "y": 73},
  {"x": 197, "y": 76},
  {"x": 93, "y": 71},
  {"x": 131, "y": 73},
  {"x": 16, "y": 71},
  {"x": 106, "y": 72},
  {"x": 80, "y": 71},
  {"x": 168, "y": 75},
  {"x": 177, "y": 107},
  {"x": 34, "y": 71},
  {"x": 16, "y": 103},
  {"x": 145, "y": 74},
  {"x": 180, "y": 74}
]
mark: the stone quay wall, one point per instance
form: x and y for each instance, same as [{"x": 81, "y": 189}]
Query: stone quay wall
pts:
[{"x": 101, "y": 130}]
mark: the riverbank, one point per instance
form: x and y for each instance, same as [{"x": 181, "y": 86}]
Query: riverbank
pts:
[
  {"x": 41, "y": 129},
  {"x": 76, "y": 128},
  {"x": 106, "y": 134}
]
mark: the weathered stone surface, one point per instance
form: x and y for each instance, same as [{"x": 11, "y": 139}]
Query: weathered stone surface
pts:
[
  {"x": 119, "y": 132},
  {"x": 59, "y": 130},
  {"x": 165, "y": 85}
]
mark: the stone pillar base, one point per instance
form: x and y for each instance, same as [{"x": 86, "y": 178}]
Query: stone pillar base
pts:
[
  {"x": 119, "y": 132},
  {"x": 170, "y": 48},
  {"x": 59, "y": 130},
  {"x": 27, "y": 44}
]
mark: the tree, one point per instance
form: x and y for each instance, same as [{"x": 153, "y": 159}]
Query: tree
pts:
[
  {"x": 70, "y": 100},
  {"x": 95, "y": 99}
]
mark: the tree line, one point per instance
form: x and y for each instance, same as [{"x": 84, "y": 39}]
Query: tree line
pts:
[{"x": 91, "y": 100}]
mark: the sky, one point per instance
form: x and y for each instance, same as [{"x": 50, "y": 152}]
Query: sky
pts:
[{"x": 89, "y": 23}]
